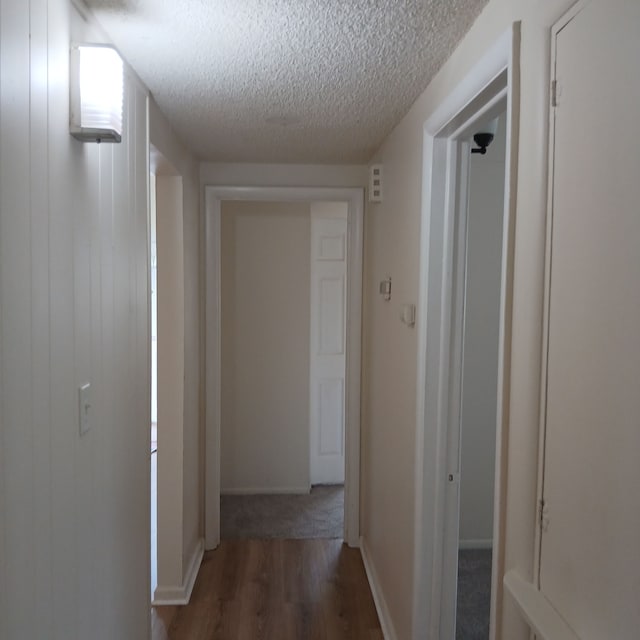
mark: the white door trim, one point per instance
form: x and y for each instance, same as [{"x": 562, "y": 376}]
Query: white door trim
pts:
[
  {"x": 214, "y": 196},
  {"x": 491, "y": 86}
]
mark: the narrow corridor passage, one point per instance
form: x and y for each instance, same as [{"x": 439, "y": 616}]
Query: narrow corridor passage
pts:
[{"x": 275, "y": 590}]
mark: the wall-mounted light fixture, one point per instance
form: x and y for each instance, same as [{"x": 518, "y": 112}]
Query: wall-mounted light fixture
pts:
[
  {"x": 485, "y": 136},
  {"x": 96, "y": 91}
]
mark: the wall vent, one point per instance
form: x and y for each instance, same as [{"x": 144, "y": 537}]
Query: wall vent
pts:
[{"x": 375, "y": 183}]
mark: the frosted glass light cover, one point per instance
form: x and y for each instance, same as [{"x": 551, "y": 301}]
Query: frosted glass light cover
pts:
[
  {"x": 96, "y": 93},
  {"x": 491, "y": 127}
]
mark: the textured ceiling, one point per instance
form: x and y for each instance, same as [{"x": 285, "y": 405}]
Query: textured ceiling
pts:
[{"x": 318, "y": 81}]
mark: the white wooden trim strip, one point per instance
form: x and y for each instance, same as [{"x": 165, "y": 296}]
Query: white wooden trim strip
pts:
[
  {"x": 543, "y": 619},
  {"x": 181, "y": 594}
]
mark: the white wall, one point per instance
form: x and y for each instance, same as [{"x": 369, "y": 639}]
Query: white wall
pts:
[
  {"x": 266, "y": 254},
  {"x": 392, "y": 243},
  {"x": 282, "y": 175},
  {"x": 187, "y": 449},
  {"x": 171, "y": 320},
  {"x": 482, "y": 318},
  {"x": 74, "y": 523}
]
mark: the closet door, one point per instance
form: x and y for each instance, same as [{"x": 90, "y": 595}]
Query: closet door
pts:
[{"x": 590, "y": 529}]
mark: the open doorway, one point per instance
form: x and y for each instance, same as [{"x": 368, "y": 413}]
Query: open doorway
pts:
[
  {"x": 479, "y": 392},
  {"x": 489, "y": 90},
  {"x": 214, "y": 198},
  {"x": 167, "y": 274},
  {"x": 283, "y": 299}
]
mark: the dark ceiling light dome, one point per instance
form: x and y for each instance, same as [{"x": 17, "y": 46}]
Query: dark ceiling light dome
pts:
[{"x": 485, "y": 137}]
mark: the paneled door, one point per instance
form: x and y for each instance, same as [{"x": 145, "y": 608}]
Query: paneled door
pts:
[
  {"x": 328, "y": 341},
  {"x": 590, "y": 516}
]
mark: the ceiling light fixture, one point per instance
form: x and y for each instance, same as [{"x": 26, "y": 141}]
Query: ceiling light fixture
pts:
[
  {"x": 96, "y": 89},
  {"x": 485, "y": 136}
]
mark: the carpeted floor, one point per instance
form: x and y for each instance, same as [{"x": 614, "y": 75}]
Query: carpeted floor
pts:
[
  {"x": 474, "y": 594},
  {"x": 319, "y": 514}
]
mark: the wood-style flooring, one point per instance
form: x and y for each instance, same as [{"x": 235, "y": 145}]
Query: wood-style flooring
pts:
[{"x": 275, "y": 590}]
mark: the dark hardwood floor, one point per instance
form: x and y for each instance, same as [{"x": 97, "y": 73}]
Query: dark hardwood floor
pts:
[{"x": 275, "y": 590}]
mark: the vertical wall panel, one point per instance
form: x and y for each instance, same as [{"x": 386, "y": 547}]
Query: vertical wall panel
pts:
[
  {"x": 41, "y": 398},
  {"x": 82, "y": 170},
  {"x": 63, "y": 161},
  {"x": 74, "y": 530},
  {"x": 3, "y": 568},
  {"x": 141, "y": 351},
  {"x": 18, "y": 567}
]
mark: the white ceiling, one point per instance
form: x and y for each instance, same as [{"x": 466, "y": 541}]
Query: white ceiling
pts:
[{"x": 319, "y": 81}]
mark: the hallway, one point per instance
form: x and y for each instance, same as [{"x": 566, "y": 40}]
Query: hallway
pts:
[{"x": 275, "y": 590}]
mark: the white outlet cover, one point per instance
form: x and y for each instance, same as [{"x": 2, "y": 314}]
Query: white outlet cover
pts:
[{"x": 408, "y": 314}]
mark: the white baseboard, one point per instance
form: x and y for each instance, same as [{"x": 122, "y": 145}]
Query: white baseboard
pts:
[
  {"x": 181, "y": 594},
  {"x": 255, "y": 491},
  {"x": 388, "y": 632},
  {"x": 476, "y": 544}
]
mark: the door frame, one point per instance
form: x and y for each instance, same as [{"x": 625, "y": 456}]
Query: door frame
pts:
[
  {"x": 213, "y": 198},
  {"x": 174, "y": 573},
  {"x": 491, "y": 85}
]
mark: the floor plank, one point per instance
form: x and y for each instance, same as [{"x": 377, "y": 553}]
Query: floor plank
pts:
[{"x": 275, "y": 590}]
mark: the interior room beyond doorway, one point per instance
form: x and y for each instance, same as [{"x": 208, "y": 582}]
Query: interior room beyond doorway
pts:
[
  {"x": 283, "y": 324},
  {"x": 480, "y": 383}
]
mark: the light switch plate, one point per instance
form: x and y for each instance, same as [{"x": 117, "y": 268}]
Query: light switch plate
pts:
[{"x": 84, "y": 398}]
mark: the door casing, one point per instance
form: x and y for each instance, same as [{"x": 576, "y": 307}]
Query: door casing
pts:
[
  {"x": 214, "y": 196},
  {"x": 489, "y": 89}
]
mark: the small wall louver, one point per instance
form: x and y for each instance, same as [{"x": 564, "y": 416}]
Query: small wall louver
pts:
[{"x": 375, "y": 183}]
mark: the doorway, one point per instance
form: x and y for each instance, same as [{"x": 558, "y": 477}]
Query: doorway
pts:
[
  {"x": 283, "y": 369},
  {"x": 166, "y": 200},
  {"x": 479, "y": 390},
  {"x": 487, "y": 91},
  {"x": 214, "y": 196}
]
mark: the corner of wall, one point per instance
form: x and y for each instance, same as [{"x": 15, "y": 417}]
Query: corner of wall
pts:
[{"x": 384, "y": 617}]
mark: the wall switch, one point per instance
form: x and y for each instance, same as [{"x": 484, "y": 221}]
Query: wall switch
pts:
[{"x": 84, "y": 397}]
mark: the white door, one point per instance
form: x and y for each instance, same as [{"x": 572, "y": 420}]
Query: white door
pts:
[
  {"x": 328, "y": 341},
  {"x": 590, "y": 564}
]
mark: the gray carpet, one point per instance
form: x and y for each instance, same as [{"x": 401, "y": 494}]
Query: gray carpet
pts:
[
  {"x": 474, "y": 594},
  {"x": 319, "y": 514}
]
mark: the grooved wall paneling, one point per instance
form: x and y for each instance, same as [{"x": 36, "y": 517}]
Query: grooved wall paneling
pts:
[{"x": 74, "y": 527}]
